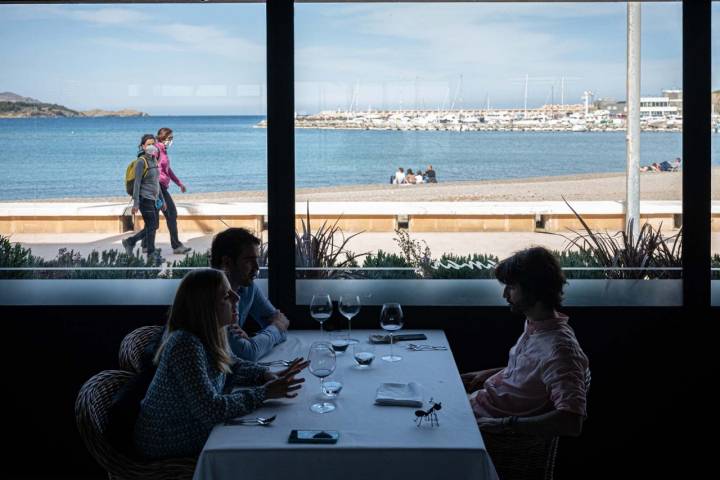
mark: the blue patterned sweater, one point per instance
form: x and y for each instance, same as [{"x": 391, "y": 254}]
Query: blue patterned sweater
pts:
[{"x": 189, "y": 396}]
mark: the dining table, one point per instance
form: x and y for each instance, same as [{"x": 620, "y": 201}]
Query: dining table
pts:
[{"x": 374, "y": 441}]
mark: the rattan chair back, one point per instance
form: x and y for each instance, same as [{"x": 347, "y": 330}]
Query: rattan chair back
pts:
[
  {"x": 91, "y": 415},
  {"x": 133, "y": 346},
  {"x": 525, "y": 457}
]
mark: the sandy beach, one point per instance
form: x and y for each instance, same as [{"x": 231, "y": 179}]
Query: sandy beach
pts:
[
  {"x": 601, "y": 186},
  {"x": 598, "y": 186}
]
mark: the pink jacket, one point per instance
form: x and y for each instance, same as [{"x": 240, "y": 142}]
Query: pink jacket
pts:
[{"x": 166, "y": 173}]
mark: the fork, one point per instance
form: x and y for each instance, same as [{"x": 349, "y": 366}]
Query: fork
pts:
[
  {"x": 276, "y": 363},
  {"x": 263, "y": 421},
  {"x": 422, "y": 348}
]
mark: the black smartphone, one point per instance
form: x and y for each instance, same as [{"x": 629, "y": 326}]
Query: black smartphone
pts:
[
  {"x": 379, "y": 338},
  {"x": 313, "y": 436}
]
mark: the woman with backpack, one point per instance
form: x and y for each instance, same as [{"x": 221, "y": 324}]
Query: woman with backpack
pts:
[
  {"x": 147, "y": 197},
  {"x": 164, "y": 140}
]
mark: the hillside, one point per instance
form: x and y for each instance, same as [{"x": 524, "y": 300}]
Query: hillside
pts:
[
  {"x": 25, "y": 110},
  {"x": 13, "y": 105}
]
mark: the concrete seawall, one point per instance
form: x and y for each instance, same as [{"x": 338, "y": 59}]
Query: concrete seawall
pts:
[{"x": 208, "y": 217}]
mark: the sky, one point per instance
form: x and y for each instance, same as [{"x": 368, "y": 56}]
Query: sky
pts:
[{"x": 209, "y": 59}]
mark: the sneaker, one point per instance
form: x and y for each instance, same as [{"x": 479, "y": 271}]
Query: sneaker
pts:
[
  {"x": 127, "y": 246},
  {"x": 156, "y": 259},
  {"x": 181, "y": 249}
]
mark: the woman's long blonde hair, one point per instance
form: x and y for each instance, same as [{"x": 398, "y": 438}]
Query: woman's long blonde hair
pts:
[{"x": 194, "y": 310}]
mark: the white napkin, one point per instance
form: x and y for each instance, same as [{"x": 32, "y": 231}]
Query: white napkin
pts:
[{"x": 402, "y": 394}]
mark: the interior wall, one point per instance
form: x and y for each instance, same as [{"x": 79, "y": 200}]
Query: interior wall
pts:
[{"x": 649, "y": 369}]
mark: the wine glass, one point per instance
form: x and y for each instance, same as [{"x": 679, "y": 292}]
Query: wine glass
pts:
[
  {"x": 391, "y": 320},
  {"x": 321, "y": 308},
  {"x": 322, "y": 364},
  {"x": 364, "y": 354},
  {"x": 349, "y": 306}
]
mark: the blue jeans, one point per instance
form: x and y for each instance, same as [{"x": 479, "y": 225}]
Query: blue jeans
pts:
[{"x": 150, "y": 217}]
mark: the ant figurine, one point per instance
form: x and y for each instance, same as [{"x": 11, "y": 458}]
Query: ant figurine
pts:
[{"x": 430, "y": 414}]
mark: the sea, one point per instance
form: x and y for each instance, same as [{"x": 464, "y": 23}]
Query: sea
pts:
[{"x": 50, "y": 158}]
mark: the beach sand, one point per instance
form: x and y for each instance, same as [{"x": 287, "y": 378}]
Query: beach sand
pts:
[
  {"x": 596, "y": 186},
  {"x": 599, "y": 186}
]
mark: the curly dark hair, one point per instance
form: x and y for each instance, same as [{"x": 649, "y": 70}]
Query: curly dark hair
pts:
[
  {"x": 230, "y": 243},
  {"x": 538, "y": 272}
]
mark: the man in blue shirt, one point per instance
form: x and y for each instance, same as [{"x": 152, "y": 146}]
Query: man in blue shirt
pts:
[{"x": 236, "y": 252}]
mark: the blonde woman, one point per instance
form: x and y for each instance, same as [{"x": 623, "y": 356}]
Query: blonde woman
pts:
[{"x": 196, "y": 373}]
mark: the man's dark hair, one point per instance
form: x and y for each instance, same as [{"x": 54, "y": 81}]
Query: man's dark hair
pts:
[
  {"x": 537, "y": 272},
  {"x": 231, "y": 243}
]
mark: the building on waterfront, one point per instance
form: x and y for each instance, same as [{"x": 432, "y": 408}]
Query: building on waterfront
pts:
[{"x": 658, "y": 107}]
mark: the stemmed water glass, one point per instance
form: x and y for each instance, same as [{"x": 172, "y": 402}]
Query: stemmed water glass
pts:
[
  {"x": 321, "y": 308},
  {"x": 391, "y": 320},
  {"x": 349, "y": 306},
  {"x": 322, "y": 364}
]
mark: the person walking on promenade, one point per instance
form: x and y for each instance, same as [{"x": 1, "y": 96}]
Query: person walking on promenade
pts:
[
  {"x": 430, "y": 174},
  {"x": 164, "y": 140},
  {"x": 147, "y": 197}
]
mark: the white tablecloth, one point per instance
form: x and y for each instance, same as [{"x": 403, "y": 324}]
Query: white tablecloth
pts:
[{"x": 376, "y": 442}]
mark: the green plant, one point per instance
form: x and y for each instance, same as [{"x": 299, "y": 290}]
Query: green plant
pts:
[
  {"x": 643, "y": 253},
  {"x": 387, "y": 260},
  {"x": 416, "y": 254},
  {"x": 178, "y": 269},
  {"x": 108, "y": 264},
  {"x": 326, "y": 248},
  {"x": 14, "y": 255}
]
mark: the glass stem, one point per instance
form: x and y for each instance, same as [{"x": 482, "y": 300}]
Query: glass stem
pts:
[
  {"x": 349, "y": 327},
  {"x": 392, "y": 354}
]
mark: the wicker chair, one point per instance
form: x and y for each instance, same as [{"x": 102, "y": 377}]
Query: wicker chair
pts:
[
  {"x": 525, "y": 457},
  {"x": 133, "y": 345},
  {"x": 91, "y": 415}
]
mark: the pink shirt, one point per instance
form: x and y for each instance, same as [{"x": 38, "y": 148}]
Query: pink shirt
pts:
[
  {"x": 545, "y": 372},
  {"x": 166, "y": 173}
]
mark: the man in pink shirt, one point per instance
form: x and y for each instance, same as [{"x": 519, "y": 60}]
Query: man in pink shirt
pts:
[{"x": 542, "y": 390}]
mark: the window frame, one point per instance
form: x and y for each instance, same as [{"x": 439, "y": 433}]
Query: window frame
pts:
[{"x": 696, "y": 140}]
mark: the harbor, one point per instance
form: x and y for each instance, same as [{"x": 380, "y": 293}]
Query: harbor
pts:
[{"x": 661, "y": 113}]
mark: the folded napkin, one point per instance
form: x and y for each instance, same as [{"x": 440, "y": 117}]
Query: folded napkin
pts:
[{"x": 401, "y": 394}]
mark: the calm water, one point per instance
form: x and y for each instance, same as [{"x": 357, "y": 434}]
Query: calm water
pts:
[{"x": 86, "y": 157}]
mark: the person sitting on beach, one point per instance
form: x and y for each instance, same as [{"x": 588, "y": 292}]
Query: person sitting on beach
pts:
[
  {"x": 399, "y": 176},
  {"x": 419, "y": 177},
  {"x": 147, "y": 197},
  {"x": 430, "y": 174},
  {"x": 542, "y": 390},
  {"x": 236, "y": 252},
  {"x": 410, "y": 177},
  {"x": 666, "y": 166},
  {"x": 192, "y": 390},
  {"x": 653, "y": 167}
]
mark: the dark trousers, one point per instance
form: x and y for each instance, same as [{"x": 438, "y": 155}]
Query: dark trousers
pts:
[
  {"x": 171, "y": 218},
  {"x": 150, "y": 217}
]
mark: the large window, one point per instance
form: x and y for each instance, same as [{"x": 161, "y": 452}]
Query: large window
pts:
[
  {"x": 517, "y": 120},
  {"x": 433, "y": 140},
  {"x": 82, "y": 84}
]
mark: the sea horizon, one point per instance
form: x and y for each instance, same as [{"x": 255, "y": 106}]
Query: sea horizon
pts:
[{"x": 83, "y": 157}]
